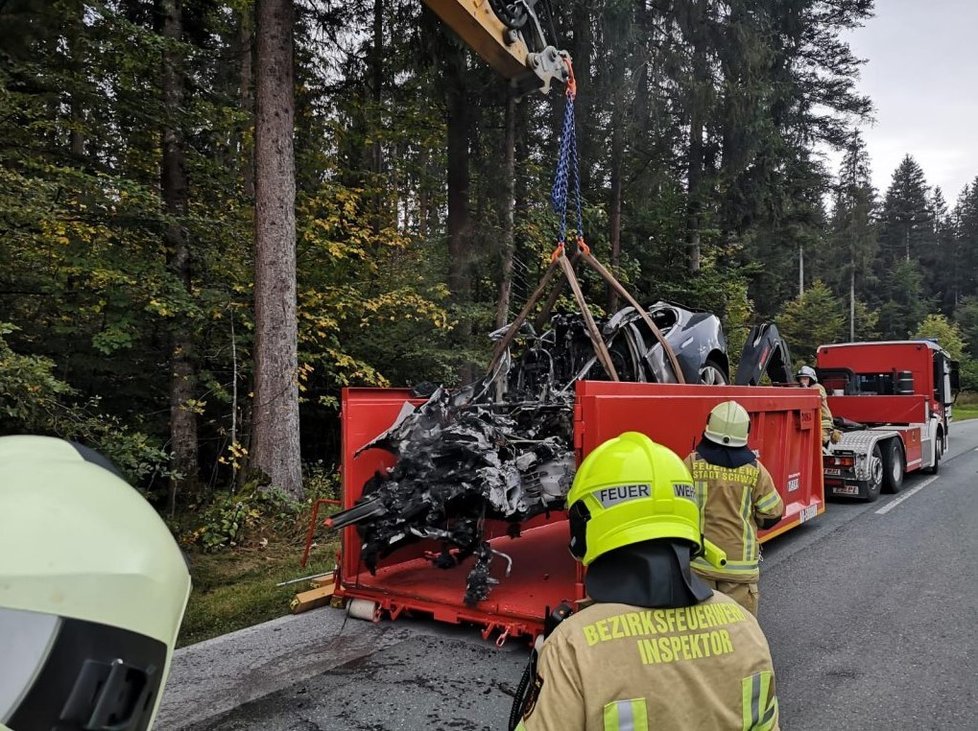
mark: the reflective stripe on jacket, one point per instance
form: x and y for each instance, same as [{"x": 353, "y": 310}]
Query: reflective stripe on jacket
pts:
[
  {"x": 731, "y": 500},
  {"x": 615, "y": 667},
  {"x": 824, "y": 405}
]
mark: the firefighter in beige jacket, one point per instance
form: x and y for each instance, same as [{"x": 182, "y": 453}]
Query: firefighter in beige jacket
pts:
[
  {"x": 809, "y": 379},
  {"x": 736, "y": 496},
  {"x": 657, "y": 648}
]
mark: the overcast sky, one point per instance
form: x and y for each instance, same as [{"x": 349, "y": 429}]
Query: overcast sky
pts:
[{"x": 922, "y": 75}]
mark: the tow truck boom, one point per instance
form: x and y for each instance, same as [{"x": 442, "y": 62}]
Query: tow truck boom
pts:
[{"x": 508, "y": 36}]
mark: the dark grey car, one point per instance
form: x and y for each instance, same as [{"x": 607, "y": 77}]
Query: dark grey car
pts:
[{"x": 563, "y": 354}]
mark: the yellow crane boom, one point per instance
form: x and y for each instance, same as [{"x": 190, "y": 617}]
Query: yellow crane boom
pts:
[{"x": 508, "y": 36}]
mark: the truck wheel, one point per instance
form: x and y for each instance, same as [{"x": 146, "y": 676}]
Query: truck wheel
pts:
[
  {"x": 938, "y": 453},
  {"x": 875, "y": 482},
  {"x": 893, "y": 466}
]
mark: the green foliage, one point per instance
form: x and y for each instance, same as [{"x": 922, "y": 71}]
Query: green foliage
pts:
[
  {"x": 816, "y": 318},
  {"x": 30, "y": 395},
  {"x": 867, "y": 322},
  {"x": 235, "y": 518},
  {"x": 321, "y": 481},
  {"x": 966, "y": 318},
  {"x": 947, "y": 334},
  {"x": 969, "y": 375},
  {"x": 907, "y": 305},
  {"x": 254, "y": 515},
  {"x": 33, "y": 400}
]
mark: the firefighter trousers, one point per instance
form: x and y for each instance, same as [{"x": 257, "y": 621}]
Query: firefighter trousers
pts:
[{"x": 746, "y": 595}]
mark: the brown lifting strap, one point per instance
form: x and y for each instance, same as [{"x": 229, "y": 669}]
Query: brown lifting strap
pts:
[{"x": 560, "y": 260}]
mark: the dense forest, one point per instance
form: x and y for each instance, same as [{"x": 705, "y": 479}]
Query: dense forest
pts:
[{"x": 129, "y": 189}]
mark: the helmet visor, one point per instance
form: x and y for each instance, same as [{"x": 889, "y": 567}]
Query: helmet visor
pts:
[
  {"x": 70, "y": 674},
  {"x": 26, "y": 639}
]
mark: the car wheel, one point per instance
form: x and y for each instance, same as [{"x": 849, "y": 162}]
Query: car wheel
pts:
[
  {"x": 875, "y": 483},
  {"x": 713, "y": 374},
  {"x": 893, "y": 466}
]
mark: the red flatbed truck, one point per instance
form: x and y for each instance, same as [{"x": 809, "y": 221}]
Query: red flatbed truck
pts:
[
  {"x": 894, "y": 399},
  {"x": 784, "y": 432}
]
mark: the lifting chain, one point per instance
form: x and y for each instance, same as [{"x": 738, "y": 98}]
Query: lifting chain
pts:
[{"x": 568, "y": 167}]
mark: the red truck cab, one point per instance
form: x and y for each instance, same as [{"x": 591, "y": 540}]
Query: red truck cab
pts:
[{"x": 893, "y": 402}]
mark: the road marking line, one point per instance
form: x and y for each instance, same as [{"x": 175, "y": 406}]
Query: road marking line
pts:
[{"x": 890, "y": 505}]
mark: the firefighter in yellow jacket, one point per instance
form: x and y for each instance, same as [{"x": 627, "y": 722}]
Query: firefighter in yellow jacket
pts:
[
  {"x": 656, "y": 648},
  {"x": 808, "y": 379},
  {"x": 736, "y": 496}
]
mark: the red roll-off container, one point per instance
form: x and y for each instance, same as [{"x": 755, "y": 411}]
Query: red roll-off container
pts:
[{"x": 784, "y": 431}]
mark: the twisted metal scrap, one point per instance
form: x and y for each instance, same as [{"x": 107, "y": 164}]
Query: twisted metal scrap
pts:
[{"x": 458, "y": 463}]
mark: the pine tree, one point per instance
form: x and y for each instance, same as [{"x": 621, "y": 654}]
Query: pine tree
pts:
[
  {"x": 963, "y": 263},
  {"x": 853, "y": 230},
  {"x": 937, "y": 259},
  {"x": 907, "y": 304},
  {"x": 907, "y": 221},
  {"x": 966, "y": 318}
]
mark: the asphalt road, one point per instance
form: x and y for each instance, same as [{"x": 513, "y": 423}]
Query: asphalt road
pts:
[{"x": 871, "y": 612}]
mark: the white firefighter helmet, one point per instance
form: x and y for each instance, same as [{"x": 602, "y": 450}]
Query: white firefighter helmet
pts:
[
  {"x": 807, "y": 371},
  {"x": 92, "y": 592},
  {"x": 728, "y": 425}
]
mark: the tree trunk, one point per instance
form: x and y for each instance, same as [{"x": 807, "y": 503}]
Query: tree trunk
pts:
[
  {"x": 801, "y": 271},
  {"x": 697, "y": 124},
  {"x": 377, "y": 82},
  {"x": 276, "y": 408},
  {"x": 583, "y": 104},
  {"x": 852, "y": 302},
  {"x": 173, "y": 184},
  {"x": 246, "y": 99},
  {"x": 459, "y": 222},
  {"x": 424, "y": 196},
  {"x": 507, "y": 245},
  {"x": 694, "y": 201},
  {"x": 614, "y": 204},
  {"x": 76, "y": 140}
]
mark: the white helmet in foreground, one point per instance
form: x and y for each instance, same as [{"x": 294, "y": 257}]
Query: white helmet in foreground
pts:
[{"x": 92, "y": 592}]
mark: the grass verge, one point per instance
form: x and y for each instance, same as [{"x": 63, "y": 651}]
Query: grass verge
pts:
[
  {"x": 235, "y": 587},
  {"x": 963, "y": 413},
  {"x": 966, "y": 407}
]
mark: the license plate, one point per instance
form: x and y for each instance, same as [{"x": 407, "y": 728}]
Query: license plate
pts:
[
  {"x": 808, "y": 513},
  {"x": 845, "y": 490},
  {"x": 833, "y": 472}
]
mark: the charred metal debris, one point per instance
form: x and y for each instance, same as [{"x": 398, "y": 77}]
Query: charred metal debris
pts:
[
  {"x": 462, "y": 458},
  {"x": 501, "y": 448}
]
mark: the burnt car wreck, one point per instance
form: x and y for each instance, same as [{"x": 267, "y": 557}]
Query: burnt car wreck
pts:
[{"x": 502, "y": 448}]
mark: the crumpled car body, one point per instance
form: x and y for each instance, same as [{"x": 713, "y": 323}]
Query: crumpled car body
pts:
[
  {"x": 564, "y": 354},
  {"x": 502, "y": 448}
]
